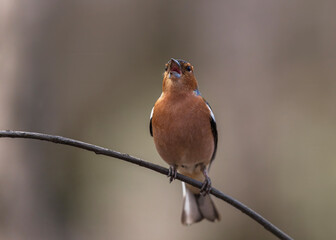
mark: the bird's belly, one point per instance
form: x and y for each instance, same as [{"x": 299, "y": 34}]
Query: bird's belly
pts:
[{"x": 185, "y": 142}]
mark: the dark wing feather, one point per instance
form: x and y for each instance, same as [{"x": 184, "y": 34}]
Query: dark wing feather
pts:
[
  {"x": 213, "y": 130},
  {"x": 150, "y": 127},
  {"x": 150, "y": 123},
  {"x": 215, "y": 136}
]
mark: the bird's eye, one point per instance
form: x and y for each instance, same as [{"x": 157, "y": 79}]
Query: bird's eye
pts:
[
  {"x": 188, "y": 68},
  {"x": 166, "y": 68}
]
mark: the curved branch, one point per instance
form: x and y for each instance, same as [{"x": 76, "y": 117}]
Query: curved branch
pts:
[{"x": 107, "y": 152}]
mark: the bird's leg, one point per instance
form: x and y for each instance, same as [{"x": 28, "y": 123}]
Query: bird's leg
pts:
[
  {"x": 206, "y": 187},
  {"x": 172, "y": 173}
]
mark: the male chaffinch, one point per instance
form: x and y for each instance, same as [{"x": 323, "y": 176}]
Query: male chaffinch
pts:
[{"x": 185, "y": 135}]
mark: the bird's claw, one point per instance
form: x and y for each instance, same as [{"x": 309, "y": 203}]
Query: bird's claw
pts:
[
  {"x": 172, "y": 173},
  {"x": 206, "y": 186}
]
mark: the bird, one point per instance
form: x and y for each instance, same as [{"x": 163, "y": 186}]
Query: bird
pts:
[{"x": 184, "y": 130}]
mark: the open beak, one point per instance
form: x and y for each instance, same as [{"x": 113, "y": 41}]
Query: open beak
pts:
[{"x": 174, "y": 68}]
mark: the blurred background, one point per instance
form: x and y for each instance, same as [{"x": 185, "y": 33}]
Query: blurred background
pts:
[{"x": 92, "y": 70}]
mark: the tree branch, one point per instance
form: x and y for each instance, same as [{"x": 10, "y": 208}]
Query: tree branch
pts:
[{"x": 107, "y": 152}]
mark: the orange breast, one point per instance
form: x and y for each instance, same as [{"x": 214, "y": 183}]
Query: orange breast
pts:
[{"x": 182, "y": 131}]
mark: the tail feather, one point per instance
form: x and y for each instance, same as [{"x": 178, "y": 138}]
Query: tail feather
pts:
[{"x": 197, "y": 207}]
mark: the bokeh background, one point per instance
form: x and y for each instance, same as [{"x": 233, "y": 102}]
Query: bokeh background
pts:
[{"x": 92, "y": 70}]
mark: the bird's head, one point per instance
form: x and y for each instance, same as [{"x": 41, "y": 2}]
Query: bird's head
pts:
[{"x": 179, "y": 76}]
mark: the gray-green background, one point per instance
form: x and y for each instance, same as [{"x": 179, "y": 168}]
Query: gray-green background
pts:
[{"x": 92, "y": 70}]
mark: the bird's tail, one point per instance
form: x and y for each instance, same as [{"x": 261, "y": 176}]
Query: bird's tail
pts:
[{"x": 196, "y": 207}]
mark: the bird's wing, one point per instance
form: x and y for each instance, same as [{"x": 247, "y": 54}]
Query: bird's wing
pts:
[
  {"x": 150, "y": 122},
  {"x": 213, "y": 129}
]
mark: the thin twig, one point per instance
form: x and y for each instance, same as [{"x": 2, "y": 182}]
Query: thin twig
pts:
[{"x": 104, "y": 151}]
